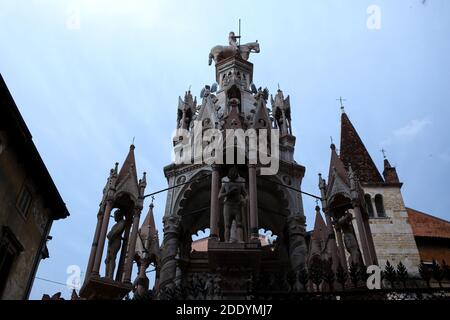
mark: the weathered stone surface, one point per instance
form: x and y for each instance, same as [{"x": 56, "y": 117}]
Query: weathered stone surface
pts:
[{"x": 393, "y": 236}]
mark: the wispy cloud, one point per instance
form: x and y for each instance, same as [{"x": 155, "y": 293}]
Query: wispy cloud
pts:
[
  {"x": 412, "y": 129},
  {"x": 408, "y": 132}
]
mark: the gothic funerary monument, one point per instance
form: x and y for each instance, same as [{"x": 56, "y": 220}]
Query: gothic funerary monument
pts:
[{"x": 235, "y": 174}]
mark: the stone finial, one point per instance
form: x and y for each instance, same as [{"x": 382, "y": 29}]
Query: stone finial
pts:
[
  {"x": 186, "y": 110},
  {"x": 281, "y": 111},
  {"x": 142, "y": 184}
]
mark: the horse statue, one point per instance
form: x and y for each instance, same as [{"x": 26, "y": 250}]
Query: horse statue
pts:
[{"x": 219, "y": 52}]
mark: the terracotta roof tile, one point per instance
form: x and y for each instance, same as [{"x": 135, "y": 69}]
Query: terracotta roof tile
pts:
[
  {"x": 354, "y": 152},
  {"x": 425, "y": 225}
]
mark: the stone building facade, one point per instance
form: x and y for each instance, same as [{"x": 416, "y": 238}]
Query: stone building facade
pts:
[
  {"x": 391, "y": 231},
  {"x": 29, "y": 203},
  {"x": 385, "y": 233}
]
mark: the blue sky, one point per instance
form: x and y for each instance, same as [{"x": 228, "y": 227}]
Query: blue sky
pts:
[{"x": 87, "y": 86}]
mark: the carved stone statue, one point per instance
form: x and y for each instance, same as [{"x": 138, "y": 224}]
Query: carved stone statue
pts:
[
  {"x": 234, "y": 194},
  {"x": 208, "y": 91},
  {"x": 232, "y": 40},
  {"x": 114, "y": 243},
  {"x": 350, "y": 242},
  {"x": 233, "y": 49}
]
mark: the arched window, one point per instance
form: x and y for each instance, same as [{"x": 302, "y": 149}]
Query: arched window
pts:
[
  {"x": 379, "y": 205},
  {"x": 369, "y": 206},
  {"x": 234, "y": 93}
]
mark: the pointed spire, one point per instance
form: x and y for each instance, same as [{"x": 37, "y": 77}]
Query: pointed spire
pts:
[
  {"x": 355, "y": 153},
  {"x": 147, "y": 246},
  {"x": 390, "y": 173},
  {"x": 129, "y": 166},
  {"x": 318, "y": 236},
  {"x": 127, "y": 180},
  {"x": 336, "y": 166},
  {"x": 320, "y": 228},
  {"x": 148, "y": 227}
]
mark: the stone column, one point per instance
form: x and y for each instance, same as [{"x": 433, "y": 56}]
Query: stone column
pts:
[
  {"x": 214, "y": 218},
  {"x": 341, "y": 249},
  {"x": 297, "y": 245},
  {"x": 169, "y": 251},
  {"x": 102, "y": 238},
  {"x": 253, "y": 199},
  {"x": 332, "y": 239},
  {"x": 373, "y": 253},
  {"x": 362, "y": 236},
  {"x": 132, "y": 246},
  {"x": 94, "y": 244},
  {"x": 123, "y": 250}
]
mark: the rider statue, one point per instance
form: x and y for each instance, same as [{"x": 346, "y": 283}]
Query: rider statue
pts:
[
  {"x": 234, "y": 48},
  {"x": 232, "y": 40}
]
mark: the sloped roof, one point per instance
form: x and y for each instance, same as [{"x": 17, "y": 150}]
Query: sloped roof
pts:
[
  {"x": 319, "y": 236},
  {"x": 355, "y": 153},
  {"x": 148, "y": 227},
  {"x": 129, "y": 166},
  {"x": 426, "y": 225},
  {"x": 336, "y": 163},
  {"x": 320, "y": 228},
  {"x": 21, "y": 140}
]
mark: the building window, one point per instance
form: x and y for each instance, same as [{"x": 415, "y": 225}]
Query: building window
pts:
[
  {"x": 380, "y": 206},
  {"x": 24, "y": 201},
  {"x": 9, "y": 250},
  {"x": 369, "y": 206}
]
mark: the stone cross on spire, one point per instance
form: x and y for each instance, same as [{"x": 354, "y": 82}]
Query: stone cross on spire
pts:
[{"x": 341, "y": 101}]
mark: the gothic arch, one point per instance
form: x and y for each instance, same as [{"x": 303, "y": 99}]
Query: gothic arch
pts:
[
  {"x": 193, "y": 203},
  {"x": 234, "y": 93},
  {"x": 273, "y": 205}
]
